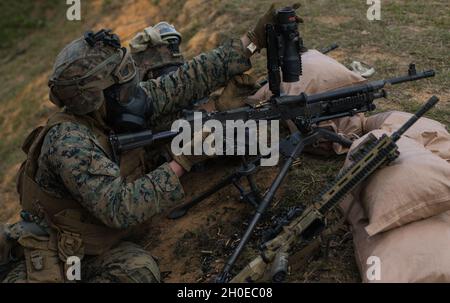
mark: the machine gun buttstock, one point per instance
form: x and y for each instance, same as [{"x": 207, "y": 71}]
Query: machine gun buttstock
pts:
[{"x": 255, "y": 271}]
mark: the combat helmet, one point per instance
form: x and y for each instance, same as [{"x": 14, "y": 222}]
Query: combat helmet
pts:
[
  {"x": 156, "y": 50},
  {"x": 87, "y": 66}
]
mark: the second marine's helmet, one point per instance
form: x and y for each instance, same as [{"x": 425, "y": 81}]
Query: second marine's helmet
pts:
[{"x": 156, "y": 50}]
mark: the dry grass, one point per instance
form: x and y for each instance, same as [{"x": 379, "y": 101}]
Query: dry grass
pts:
[{"x": 410, "y": 31}]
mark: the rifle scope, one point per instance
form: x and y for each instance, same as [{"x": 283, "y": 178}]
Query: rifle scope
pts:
[{"x": 290, "y": 43}]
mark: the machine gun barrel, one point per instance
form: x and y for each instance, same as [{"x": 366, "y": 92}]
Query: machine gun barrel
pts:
[
  {"x": 412, "y": 76},
  {"x": 371, "y": 87}
]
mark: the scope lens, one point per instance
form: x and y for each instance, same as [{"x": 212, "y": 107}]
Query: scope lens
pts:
[{"x": 286, "y": 15}]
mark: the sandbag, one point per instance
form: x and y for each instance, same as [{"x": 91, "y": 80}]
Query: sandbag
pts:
[
  {"x": 416, "y": 252},
  {"x": 415, "y": 186},
  {"x": 431, "y": 134},
  {"x": 320, "y": 73}
]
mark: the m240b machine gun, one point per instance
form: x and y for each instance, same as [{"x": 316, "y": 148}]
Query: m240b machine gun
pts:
[
  {"x": 305, "y": 110},
  {"x": 370, "y": 155},
  {"x": 284, "y": 45},
  {"x": 308, "y": 110}
]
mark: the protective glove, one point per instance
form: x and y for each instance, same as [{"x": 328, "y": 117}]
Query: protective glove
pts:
[
  {"x": 188, "y": 161},
  {"x": 148, "y": 37},
  {"x": 258, "y": 34},
  {"x": 236, "y": 91}
]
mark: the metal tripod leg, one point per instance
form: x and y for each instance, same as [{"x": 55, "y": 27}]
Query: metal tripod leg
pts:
[
  {"x": 247, "y": 170},
  {"x": 287, "y": 145},
  {"x": 293, "y": 147},
  {"x": 333, "y": 137}
]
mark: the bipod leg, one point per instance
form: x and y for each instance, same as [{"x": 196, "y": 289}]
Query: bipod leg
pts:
[
  {"x": 297, "y": 148},
  {"x": 247, "y": 170},
  {"x": 333, "y": 137}
]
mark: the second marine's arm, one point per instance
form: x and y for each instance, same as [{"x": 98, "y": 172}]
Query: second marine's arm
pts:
[{"x": 197, "y": 78}]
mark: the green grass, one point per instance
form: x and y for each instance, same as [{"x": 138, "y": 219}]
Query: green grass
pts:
[{"x": 18, "y": 18}]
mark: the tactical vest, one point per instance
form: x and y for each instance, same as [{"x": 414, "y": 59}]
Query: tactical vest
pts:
[{"x": 77, "y": 232}]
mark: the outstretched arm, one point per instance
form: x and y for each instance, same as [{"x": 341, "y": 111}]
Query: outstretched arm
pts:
[{"x": 197, "y": 78}]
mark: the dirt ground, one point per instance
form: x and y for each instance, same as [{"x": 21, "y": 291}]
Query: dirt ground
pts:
[{"x": 195, "y": 247}]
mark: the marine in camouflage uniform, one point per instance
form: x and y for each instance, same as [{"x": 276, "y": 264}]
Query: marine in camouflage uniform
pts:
[
  {"x": 71, "y": 154},
  {"x": 125, "y": 263},
  {"x": 85, "y": 203},
  {"x": 156, "y": 51},
  {"x": 73, "y": 163}
]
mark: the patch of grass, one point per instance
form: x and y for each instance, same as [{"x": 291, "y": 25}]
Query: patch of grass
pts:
[
  {"x": 17, "y": 20},
  {"x": 403, "y": 36}
]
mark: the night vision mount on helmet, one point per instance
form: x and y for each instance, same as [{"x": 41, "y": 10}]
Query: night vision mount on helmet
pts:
[{"x": 171, "y": 35}]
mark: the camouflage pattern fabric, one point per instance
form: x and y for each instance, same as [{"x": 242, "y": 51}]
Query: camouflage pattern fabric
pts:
[
  {"x": 75, "y": 60},
  {"x": 196, "y": 78},
  {"x": 127, "y": 263},
  {"x": 151, "y": 56},
  {"x": 18, "y": 274},
  {"x": 72, "y": 163},
  {"x": 151, "y": 60}
]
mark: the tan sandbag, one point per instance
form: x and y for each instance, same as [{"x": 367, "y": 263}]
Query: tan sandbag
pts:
[
  {"x": 416, "y": 252},
  {"x": 320, "y": 74},
  {"x": 415, "y": 186},
  {"x": 431, "y": 134}
]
